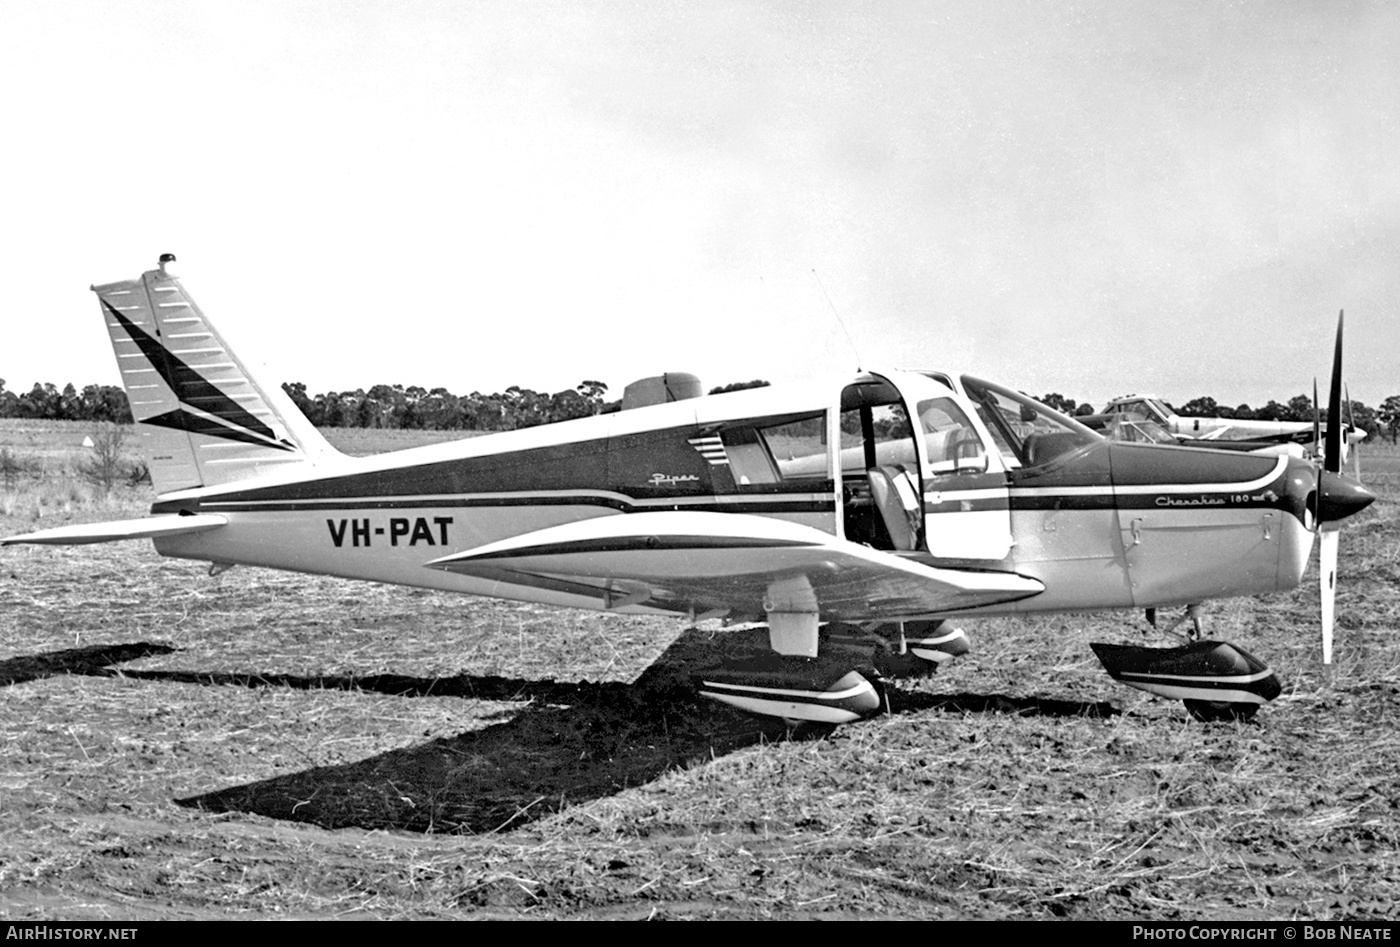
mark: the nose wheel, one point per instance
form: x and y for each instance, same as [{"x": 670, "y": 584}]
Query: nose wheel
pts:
[
  {"x": 1220, "y": 711},
  {"x": 1216, "y": 680}
]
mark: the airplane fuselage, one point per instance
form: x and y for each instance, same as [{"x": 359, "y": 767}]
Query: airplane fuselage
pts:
[{"x": 1102, "y": 525}]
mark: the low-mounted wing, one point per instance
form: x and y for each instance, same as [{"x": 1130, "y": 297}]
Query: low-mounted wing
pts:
[
  {"x": 734, "y": 564},
  {"x": 148, "y": 527}
]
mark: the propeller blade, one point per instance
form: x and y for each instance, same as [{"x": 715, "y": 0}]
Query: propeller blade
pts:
[
  {"x": 1327, "y": 576},
  {"x": 1350, "y": 442},
  {"x": 1339, "y": 496},
  {"x": 1332, "y": 451},
  {"x": 1317, "y": 421}
]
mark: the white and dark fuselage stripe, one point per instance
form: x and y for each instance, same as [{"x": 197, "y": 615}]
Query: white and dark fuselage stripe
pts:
[{"x": 545, "y": 476}]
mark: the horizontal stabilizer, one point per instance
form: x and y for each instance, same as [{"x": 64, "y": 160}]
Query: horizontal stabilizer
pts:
[
  {"x": 729, "y": 563},
  {"x": 149, "y": 527}
]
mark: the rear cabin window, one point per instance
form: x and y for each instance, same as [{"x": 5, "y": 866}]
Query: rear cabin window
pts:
[{"x": 793, "y": 450}]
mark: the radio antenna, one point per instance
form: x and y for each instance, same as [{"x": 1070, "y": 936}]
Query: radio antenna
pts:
[{"x": 850, "y": 341}]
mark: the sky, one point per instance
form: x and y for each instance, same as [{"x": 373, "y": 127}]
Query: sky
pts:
[{"x": 1089, "y": 198}]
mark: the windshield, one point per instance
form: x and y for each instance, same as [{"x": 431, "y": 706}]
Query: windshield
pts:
[
  {"x": 1149, "y": 409},
  {"x": 951, "y": 441},
  {"x": 1026, "y": 432},
  {"x": 1136, "y": 430},
  {"x": 1163, "y": 412}
]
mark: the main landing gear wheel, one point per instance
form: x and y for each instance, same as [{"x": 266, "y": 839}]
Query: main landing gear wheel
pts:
[
  {"x": 800, "y": 692},
  {"x": 911, "y": 649}
]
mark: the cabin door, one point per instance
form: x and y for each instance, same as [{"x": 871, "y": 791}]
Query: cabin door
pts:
[{"x": 917, "y": 473}]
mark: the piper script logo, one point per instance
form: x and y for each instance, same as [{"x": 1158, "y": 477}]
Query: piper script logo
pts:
[{"x": 670, "y": 480}]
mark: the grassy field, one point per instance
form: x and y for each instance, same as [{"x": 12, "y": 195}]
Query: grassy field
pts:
[{"x": 266, "y": 745}]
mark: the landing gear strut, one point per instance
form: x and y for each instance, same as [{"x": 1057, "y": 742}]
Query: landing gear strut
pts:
[{"x": 1192, "y": 612}]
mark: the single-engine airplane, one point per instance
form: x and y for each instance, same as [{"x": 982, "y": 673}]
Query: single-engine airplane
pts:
[
  {"x": 1137, "y": 429},
  {"x": 1152, "y": 408},
  {"x": 852, "y": 516},
  {"x": 1212, "y": 432}
]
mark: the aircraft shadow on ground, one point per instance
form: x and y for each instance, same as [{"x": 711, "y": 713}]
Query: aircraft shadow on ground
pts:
[
  {"x": 575, "y": 742},
  {"x": 94, "y": 659}
]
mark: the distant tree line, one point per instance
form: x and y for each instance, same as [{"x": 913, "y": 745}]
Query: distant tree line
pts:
[
  {"x": 437, "y": 409},
  {"x": 413, "y": 407},
  {"x": 740, "y": 386},
  {"x": 45, "y": 402}
]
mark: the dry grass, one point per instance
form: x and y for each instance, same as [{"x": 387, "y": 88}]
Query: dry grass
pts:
[{"x": 270, "y": 745}]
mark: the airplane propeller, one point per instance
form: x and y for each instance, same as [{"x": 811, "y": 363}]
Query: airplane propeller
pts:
[
  {"x": 1338, "y": 496},
  {"x": 1349, "y": 446},
  {"x": 1317, "y": 422}
]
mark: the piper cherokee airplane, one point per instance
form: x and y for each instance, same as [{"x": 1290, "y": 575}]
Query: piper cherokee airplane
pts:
[
  {"x": 1197, "y": 430},
  {"x": 852, "y": 516},
  {"x": 1136, "y": 429}
]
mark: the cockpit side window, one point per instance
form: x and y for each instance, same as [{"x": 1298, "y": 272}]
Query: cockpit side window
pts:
[
  {"x": 952, "y": 442},
  {"x": 1138, "y": 409}
]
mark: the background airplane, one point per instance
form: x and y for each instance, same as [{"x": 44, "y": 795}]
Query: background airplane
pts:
[
  {"x": 1136, "y": 429},
  {"x": 1139, "y": 411},
  {"x": 851, "y": 516},
  {"x": 1152, "y": 408}
]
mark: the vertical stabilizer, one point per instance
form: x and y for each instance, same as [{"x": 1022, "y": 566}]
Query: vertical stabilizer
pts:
[{"x": 204, "y": 419}]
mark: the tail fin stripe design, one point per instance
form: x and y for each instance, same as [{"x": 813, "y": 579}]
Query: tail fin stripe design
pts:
[
  {"x": 193, "y": 423},
  {"x": 192, "y": 388}
]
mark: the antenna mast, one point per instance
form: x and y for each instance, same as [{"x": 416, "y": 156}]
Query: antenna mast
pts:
[{"x": 839, "y": 321}]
